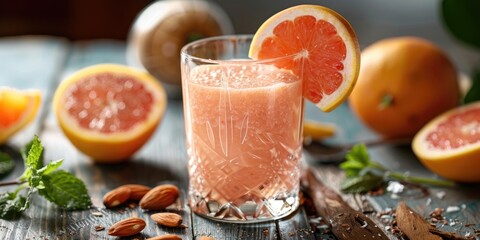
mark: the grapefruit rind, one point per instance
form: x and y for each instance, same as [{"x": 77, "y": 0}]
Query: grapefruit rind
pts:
[
  {"x": 459, "y": 164},
  {"x": 344, "y": 30},
  {"x": 33, "y": 101},
  {"x": 112, "y": 146}
]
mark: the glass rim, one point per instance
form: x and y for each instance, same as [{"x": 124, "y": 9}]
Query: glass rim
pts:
[{"x": 184, "y": 53}]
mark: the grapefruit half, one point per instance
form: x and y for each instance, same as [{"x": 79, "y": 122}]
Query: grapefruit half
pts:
[
  {"x": 109, "y": 111},
  {"x": 449, "y": 145},
  {"x": 326, "y": 48}
]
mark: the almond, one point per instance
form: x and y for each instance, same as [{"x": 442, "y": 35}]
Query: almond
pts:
[
  {"x": 167, "y": 219},
  {"x": 137, "y": 191},
  {"x": 159, "y": 197},
  {"x": 116, "y": 197},
  {"x": 127, "y": 227},
  {"x": 166, "y": 237}
]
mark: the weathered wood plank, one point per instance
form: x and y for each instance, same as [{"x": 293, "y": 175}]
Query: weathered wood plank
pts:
[
  {"x": 230, "y": 231},
  {"x": 295, "y": 226}
]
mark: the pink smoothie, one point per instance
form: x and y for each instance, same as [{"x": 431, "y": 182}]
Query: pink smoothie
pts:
[{"x": 243, "y": 125}]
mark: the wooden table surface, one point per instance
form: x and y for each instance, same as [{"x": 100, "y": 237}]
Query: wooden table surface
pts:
[{"x": 42, "y": 62}]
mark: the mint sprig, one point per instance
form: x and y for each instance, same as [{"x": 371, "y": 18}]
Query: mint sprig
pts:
[
  {"x": 57, "y": 186},
  {"x": 364, "y": 175}
]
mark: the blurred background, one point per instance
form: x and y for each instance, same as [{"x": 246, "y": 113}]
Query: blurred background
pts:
[{"x": 112, "y": 19}]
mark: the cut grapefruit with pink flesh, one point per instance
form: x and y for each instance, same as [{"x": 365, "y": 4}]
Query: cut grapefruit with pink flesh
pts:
[
  {"x": 18, "y": 108},
  {"x": 328, "y": 53},
  {"x": 449, "y": 145},
  {"x": 109, "y": 111}
]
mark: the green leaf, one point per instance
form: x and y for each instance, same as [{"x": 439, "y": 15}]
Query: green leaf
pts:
[
  {"x": 359, "y": 154},
  {"x": 473, "y": 93},
  {"x": 35, "y": 152},
  {"x": 356, "y": 160},
  {"x": 361, "y": 184},
  {"x": 6, "y": 164},
  {"x": 52, "y": 166},
  {"x": 352, "y": 168},
  {"x": 65, "y": 190},
  {"x": 26, "y": 175},
  {"x": 462, "y": 20},
  {"x": 26, "y": 149},
  {"x": 32, "y": 154},
  {"x": 11, "y": 205},
  {"x": 36, "y": 181}
]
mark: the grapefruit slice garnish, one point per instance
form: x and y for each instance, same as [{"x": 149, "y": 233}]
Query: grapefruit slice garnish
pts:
[
  {"x": 17, "y": 109},
  {"x": 326, "y": 48},
  {"x": 449, "y": 145},
  {"x": 109, "y": 111}
]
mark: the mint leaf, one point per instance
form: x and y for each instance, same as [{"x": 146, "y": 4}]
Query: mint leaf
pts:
[
  {"x": 352, "y": 168},
  {"x": 357, "y": 159},
  {"x": 11, "y": 205},
  {"x": 65, "y": 190},
  {"x": 32, "y": 154},
  {"x": 35, "y": 153},
  {"x": 359, "y": 154},
  {"x": 36, "y": 181},
  {"x": 361, "y": 184},
  {"x": 52, "y": 166},
  {"x": 6, "y": 164}
]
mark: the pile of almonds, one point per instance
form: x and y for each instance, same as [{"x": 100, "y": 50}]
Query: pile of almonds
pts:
[{"x": 157, "y": 198}]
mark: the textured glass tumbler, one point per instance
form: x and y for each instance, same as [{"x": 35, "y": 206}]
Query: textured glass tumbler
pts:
[{"x": 243, "y": 122}]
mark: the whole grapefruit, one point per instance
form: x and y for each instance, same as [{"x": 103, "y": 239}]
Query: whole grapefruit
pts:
[{"x": 403, "y": 83}]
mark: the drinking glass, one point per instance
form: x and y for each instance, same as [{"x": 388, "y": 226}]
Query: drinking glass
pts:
[{"x": 243, "y": 122}]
